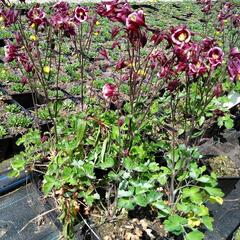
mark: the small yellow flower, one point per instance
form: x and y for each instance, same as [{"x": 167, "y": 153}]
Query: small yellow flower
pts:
[
  {"x": 96, "y": 33},
  {"x": 217, "y": 33},
  {"x": 33, "y": 25},
  {"x": 225, "y": 21},
  {"x": 1, "y": 18},
  {"x": 97, "y": 23},
  {"x": 220, "y": 44},
  {"x": 46, "y": 69},
  {"x": 141, "y": 72},
  {"x": 194, "y": 222},
  {"x": 33, "y": 38}
]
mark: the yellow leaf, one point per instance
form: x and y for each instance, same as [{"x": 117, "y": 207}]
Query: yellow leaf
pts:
[
  {"x": 193, "y": 222},
  {"x": 218, "y": 200}
]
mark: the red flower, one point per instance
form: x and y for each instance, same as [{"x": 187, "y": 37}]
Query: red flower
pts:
[
  {"x": 234, "y": 64},
  {"x": 217, "y": 91},
  {"x": 109, "y": 91},
  {"x": 37, "y": 16},
  {"x": 215, "y": 56},
  {"x": 181, "y": 35},
  {"x": 80, "y": 14},
  {"x": 135, "y": 20},
  {"x": 11, "y": 52}
]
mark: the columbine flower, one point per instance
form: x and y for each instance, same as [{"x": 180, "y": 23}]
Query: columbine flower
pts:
[
  {"x": 115, "y": 31},
  {"x": 23, "y": 59},
  {"x": 9, "y": 16},
  {"x": 109, "y": 91},
  {"x": 197, "y": 68},
  {"x": 225, "y": 12},
  {"x": 181, "y": 35},
  {"x": 11, "y": 52},
  {"x": 121, "y": 64},
  {"x": 61, "y": 7},
  {"x": 80, "y": 14},
  {"x": 207, "y": 44},
  {"x": 217, "y": 91},
  {"x": 135, "y": 20},
  {"x": 172, "y": 86},
  {"x": 234, "y": 64},
  {"x": 215, "y": 56},
  {"x": 24, "y": 80},
  {"x": 236, "y": 20},
  {"x": 37, "y": 16}
]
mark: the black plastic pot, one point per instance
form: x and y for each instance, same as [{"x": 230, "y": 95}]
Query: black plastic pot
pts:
[
  {"x": 2, "y": 42},
  {"x": 5, "y": 147},
  {"x": 26, "y": 99},
  {"x": 227, "y": 184}
]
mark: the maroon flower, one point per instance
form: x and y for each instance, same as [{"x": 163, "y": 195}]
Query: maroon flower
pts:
[
  {"x": 236, "y": 20},
  {"x": 198, "y": 68},
  {"x": 217, "y": 91},
  {"x": 207, "y": 44},
  {"x": 225, "y": 12},
  {"x": 104, "y": 53},
  {"x": 24, "y": 60},
  {"x": 157, "y": 58},
  {"x": 44, "y": 138},
  {"x": 24, "y": 80},
  {"x": 11, "y": 52},
  {"x": 18, "y": 38},
  {"x": 37, "y": 16},
  {"x": 80, "y": 14},
  {"x": 181, "y": 35},
  {"x": 121, "y": 121},
  {"x": 61, "y": 7},
  {"x": 215, "y": 56},
  {"x": 165, "y": 72},
  {"x": 59, "y": 20},
  {"x": 121, "y": 64},
  {"x": 114, "y": 10},
  {"x": 234, "y": 64},
  {"x": 135, "y": 20},
  {"x": 9, "y": 16},
  {"x": 109, "y": 91},
  {"x": 115, "y": 31},
  {"x": 172, "y": 85}
]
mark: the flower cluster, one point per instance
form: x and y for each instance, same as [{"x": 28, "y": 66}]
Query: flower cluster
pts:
[
  {"x": 234, "y": 64},
  {"x": 9, "y": 16}
]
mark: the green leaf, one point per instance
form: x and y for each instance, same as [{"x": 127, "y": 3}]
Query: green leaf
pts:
[
  {"x": 216, "y": 192},
  {"x": 141, "y": 200},
  {"x": 126, "y": 203},
  {"x": 204, "y": 179},
  {"x": 194, "y": 235},
  {"x": 107, "y": 163},
  {"x": 48, "y": 184},
  {"x": 81, "y": 126},
  {"x": 208, "y": 222},
  {"x": 104, "y": 147},
  {"x": 174, "y": 224}
]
